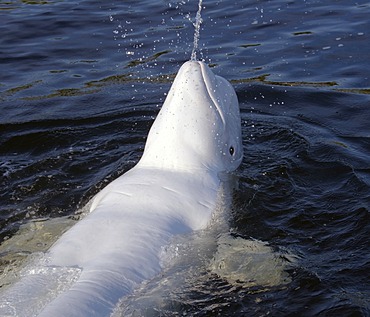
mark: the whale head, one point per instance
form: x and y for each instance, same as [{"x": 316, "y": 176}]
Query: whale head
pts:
[{"x": 199, "y": 125}]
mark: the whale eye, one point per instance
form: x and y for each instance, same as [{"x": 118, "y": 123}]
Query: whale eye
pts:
[{"x": 231, "y": 150}]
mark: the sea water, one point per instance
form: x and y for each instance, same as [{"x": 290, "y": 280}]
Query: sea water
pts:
[{"x": 77, "y": 101}]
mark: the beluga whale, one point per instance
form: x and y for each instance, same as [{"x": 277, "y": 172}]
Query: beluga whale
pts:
[{"x": 193, "y": 143}]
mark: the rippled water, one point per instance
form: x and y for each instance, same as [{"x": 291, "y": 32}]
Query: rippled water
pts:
[{"x": 80, "y": 85}]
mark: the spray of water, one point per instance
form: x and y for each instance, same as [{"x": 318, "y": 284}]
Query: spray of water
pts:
[{"x": 198, "y": 22}]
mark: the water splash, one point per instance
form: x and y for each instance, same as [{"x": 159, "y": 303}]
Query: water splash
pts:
[{"x": 198, "y": 22}]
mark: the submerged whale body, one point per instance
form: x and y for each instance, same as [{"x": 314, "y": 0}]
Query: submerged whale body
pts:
[{"x": 173, "y": 189}]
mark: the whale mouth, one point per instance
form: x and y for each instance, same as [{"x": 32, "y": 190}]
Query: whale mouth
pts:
[{"x": 211, "y": 84}]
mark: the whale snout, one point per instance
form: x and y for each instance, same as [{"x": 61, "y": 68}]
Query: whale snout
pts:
[{"x": 198, "y": 125}]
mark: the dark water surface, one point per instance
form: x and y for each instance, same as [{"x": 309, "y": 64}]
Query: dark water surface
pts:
[{"x": 82, "y": 81}]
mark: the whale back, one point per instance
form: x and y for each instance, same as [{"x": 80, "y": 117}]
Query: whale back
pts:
[
  {"x": 174, "y": 189},
  {"x": 198, "y": 126}
]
